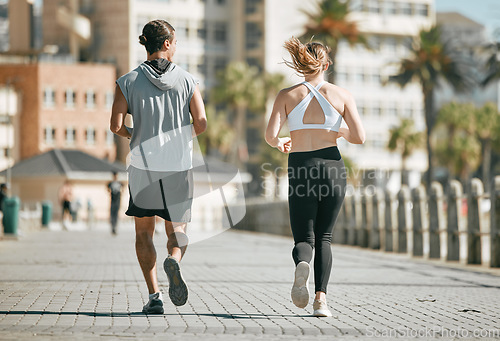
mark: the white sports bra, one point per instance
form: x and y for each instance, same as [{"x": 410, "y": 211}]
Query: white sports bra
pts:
[{"x": 333, "y": 119}]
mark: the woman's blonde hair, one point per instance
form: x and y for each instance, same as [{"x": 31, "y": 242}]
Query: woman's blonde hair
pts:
[{"x": 308, "y": 59}]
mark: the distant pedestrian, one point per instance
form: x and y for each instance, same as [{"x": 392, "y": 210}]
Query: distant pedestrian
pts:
[
  {"x": 314, "y": 110},
  {"x": 65, "y": 198},
  {"x": 115, "y": 190},
  {"x": 162, "y": 99},
  {"x": 3, "y": 195}
]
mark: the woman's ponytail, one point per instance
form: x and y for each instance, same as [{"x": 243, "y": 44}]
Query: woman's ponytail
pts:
[{"x": 308, "y": 59}]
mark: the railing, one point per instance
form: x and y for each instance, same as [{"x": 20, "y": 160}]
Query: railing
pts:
[{"x": 451, "y": 227}]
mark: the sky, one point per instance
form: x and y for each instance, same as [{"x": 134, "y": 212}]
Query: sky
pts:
[{"x": 485, "y": 12}]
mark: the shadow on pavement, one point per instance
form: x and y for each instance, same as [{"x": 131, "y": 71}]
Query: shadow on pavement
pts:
[{"x": 130, "y": 314}]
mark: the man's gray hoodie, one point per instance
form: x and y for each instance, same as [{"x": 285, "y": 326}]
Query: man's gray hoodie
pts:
[{"x": 159, "y": 105}]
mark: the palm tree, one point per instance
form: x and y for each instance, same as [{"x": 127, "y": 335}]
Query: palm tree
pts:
[
  {"x": 455, "y": 117},
  {"x": 243, "y": 88},
  {"x": 486, "y": 127},
  {"x": 454, "y": 138},
  {"x": 429, "y": 62},
  {"x": 219, "y": 138},
  {"x": 404, "y": 139},
  {"x": 464, "y": 156},
  {"x": 329, "y": 24},
  {"x": 240, "y": 87},
  {"x": 492, "y": 64}
]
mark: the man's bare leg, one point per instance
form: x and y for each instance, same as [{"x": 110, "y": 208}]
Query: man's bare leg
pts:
[
  {"x": 177, "y": 239},
  {"x": 176, "y": 246},
  {"x": 146, "y": 252}
]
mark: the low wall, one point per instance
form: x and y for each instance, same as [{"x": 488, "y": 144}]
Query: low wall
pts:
[{"x": 266, "y": 216}]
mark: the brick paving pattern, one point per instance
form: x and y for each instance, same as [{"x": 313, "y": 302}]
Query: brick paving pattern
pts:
[{"x": 87, "y": 285}]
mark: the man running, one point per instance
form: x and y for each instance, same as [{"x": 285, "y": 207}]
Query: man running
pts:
[{"x": 162, "y": 99}]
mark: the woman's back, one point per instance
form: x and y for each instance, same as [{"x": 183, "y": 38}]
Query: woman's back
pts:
[{"x": 305, "y": 139}]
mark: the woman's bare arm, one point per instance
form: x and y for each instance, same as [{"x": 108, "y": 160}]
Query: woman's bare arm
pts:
[
  {"x": 276, "y": 122},
  {"x": 355, "y": 133}
]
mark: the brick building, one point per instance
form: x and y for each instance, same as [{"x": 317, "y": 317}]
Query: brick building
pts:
[{"x": 62, "y": 106}]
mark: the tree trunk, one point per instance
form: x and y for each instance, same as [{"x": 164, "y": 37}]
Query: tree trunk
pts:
[
  {"x": 486, "y": 143},
  {"x": 331, "y": 72},
  {"x": 429, "y": 121},
  {"x": 404, "y": 180},
  {"x": 240, "y": 137}
]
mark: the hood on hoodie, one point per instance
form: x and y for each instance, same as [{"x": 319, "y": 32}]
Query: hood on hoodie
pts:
[{"x": 163, "y": 81}]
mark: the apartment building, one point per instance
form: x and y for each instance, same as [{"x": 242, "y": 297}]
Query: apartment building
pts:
[
  {"x": 63, "y": 106},
  {"x": 390, "y": 27},
  {"x": 9, "y": 121}
]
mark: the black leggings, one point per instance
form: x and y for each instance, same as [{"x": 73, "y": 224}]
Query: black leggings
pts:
[{"x": 317, "y": 182}]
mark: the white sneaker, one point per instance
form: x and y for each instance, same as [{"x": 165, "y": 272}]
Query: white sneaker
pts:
[
  {"x": 154, "y": 305},
  {"x": 321, "y": 309},
  {"x": 300, "y": 288}
]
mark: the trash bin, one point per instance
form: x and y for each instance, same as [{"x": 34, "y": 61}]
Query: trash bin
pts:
[
  {"x": 10, "y": 215},
  {"x": 46, "y": 213}
]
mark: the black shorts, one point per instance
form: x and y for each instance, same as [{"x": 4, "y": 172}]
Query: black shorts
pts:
[
  {"x": 66, "y": 206},
  {"x": 168, "y": 195}
]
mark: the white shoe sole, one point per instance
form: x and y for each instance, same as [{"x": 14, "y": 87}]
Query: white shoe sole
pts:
[
  {"x": 300, "y": 288},
  {"x": 322, "y": 313}
]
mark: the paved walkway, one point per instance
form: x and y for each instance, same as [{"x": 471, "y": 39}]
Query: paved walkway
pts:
[{"x": 87, "y": 285}]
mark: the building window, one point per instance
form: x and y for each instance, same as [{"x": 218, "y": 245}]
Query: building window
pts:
[
  {"x": 422, "y": 9},
  {"x": 405, "y": 8},
  {"x": 49, "y": 135},
  {"x": 374, "y": 42},
  {"x": 376, "y": 110},
  {"x": 202, "y": 31},
  {"x": 49, "y": 97},
  {"x": 361, "y": 108},
  {"x": 408, "y": 111},
  {"x": 390, "y": 44},
  {"x": 390, "y": 8},
  {"x": 356, "y": 5},
  {"x": 109, "y": 99},
  {"x": 253, "y": 35},
  {"x": 220, "y": 64},
  {"x": 392, "y": 111},
  {"x": 377, "y": 78},
  {"x": 251, "y": 6},
  {"x": 221, "y": 2},
  {"x": 202, "y": 68},
  {"x": 220, "y": 32},
  {"x": 359, "y": 77},
  {"x": 182, "y": 30},
  {"x": 90, "y": 99},
  {"x": 342, "y": 77},
  {"x": 90, "y": 136},
  {"x": 69, "y": 98},
  {"x": 70, "y": 136},
  {"x": 373, "y": 6},
  {"x": 110, "y": 137},
  {"x": 255, "y": 62}
]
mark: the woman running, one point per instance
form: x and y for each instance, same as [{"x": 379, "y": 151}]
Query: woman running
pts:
[{"x": 314, "y": 110}]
